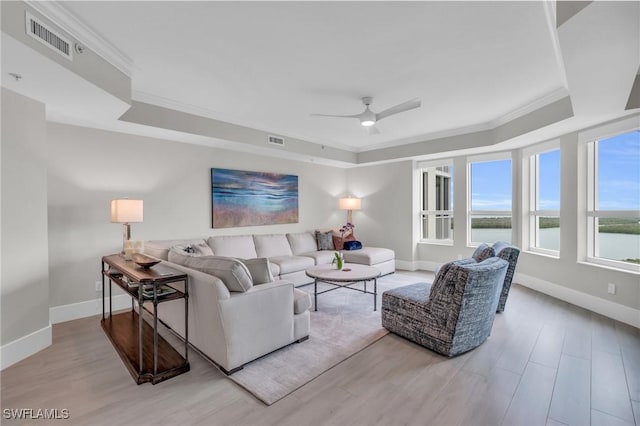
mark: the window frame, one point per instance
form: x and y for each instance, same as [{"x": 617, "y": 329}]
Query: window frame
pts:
[
  {"x": 592, "y": 212},
  {"x": 497, "y": 156},
  {"x": 422, "y": 166},
  {"x": 532, "y": 188}
]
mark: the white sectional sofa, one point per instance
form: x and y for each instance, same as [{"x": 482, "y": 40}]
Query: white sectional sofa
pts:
[
  {"x": 236, "y": 316},
  {"x": 291, "y": 254}
]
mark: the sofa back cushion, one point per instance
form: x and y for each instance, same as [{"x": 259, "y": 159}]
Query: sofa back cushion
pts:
[
  {"x": 233, "y": 273},
  {"x": 240, "y": 246},
  {"x": 272, "y": 245},
  {"x": 303, "y": 242},
  {"x": 260, "y": 270}
]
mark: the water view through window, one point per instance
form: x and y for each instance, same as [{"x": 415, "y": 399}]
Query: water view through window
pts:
[{"x": 616, "y": 223}]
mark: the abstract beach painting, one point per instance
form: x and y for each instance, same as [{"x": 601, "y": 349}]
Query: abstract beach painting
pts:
[{"x": 245, "y": 198}]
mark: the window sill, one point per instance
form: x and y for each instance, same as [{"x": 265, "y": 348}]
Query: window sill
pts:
[
  {"x": 547, "y": 254},
  {"x": 437, "y": 243}
]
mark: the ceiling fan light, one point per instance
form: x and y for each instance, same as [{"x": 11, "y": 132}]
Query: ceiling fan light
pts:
[{"x": 367, "y": 123}]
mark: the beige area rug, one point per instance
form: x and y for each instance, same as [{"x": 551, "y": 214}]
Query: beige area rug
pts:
[{"x": 344, "y": 324}]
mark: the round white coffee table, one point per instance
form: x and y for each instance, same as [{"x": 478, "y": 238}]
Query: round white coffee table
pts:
[{"x": 350, "y": 274}]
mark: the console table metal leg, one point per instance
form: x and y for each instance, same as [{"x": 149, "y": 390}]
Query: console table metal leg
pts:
[
  {"x": 102, "y": 274},
  {"x": 375, "y": 294},
  {"x": 140, "y": 329},
  {"x": 315, "y": 293},
  {"x": 110, "y": 298},
  {"x": 186, "y": 320},
  {"x": 155, "y": 335}
]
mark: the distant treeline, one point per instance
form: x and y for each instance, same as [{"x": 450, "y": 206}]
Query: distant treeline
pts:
[{"x": 606, "y": 225}]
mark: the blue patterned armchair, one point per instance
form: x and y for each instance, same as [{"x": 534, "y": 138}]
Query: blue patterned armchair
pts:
[
  {"x": 504, "y": 251},
  {"x": 509, "y": 253},
  {"x": 452, "y": 316}
]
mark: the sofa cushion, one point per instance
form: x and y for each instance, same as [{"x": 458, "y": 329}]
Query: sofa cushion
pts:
[
  {"x": 195, "y": 249},
  {"x": 369, "y": 255},
  {"x": 240, "y": 246},
  {"x": 301, "y": 301},
  {"x": 260, "y": 270},
  {"x": 483, "y": 252},
  {"x": 324, "y": 240},
  {"x": 302, "y": 242},
  {"x": 233, "y": 273},
  {"x": 272, "y": 245},
  {"x": 290, "y": 264},
  {"x": 320, "y": 257}
]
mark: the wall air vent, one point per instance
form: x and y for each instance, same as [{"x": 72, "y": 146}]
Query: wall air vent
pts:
[
  {"x": 48, "y": 36},
  {"x": 275, "y": 140}
]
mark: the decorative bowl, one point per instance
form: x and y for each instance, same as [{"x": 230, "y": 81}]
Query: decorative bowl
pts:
[{"x": 144, "y": 261}]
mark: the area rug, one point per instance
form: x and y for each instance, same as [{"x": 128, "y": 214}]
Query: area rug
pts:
[{"x": 344, "y": 324}]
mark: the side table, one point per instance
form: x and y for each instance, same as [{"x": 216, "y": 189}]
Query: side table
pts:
[{"x": 147, "y": 356}]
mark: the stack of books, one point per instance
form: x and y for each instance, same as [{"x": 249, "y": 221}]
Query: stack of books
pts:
[{"x": 164, "y": 290}]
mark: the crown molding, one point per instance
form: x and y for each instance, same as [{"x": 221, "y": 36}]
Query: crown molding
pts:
[
  {"x": 67, "y": 21},
  {"x": 541, "y": 102}
]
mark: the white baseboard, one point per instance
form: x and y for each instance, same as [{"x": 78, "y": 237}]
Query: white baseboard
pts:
[
  {"x": 24, "y": 347},
  {"x": 87, "y": 308},
  {"x": 604, "y": 307}
]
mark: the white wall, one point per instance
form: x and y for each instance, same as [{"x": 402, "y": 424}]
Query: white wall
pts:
[
  {"x": 88, "y": 168},
  {"x": 25, "y": 277}
]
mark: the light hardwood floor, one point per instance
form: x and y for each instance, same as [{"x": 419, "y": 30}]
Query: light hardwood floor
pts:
[{"x": 546, "y": 362}]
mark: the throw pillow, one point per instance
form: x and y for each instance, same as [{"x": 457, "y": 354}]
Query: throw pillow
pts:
[
  {"x": 233, "y": 273},
  {"x": 483, "y": 252},
  {"x": 202, "y": 249},
  {"x": 339, "y": 242},
  {"x": 325, "y": 240},
  {"x": 259, "y": 269}
]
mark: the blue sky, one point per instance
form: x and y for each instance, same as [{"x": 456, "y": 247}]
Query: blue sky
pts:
[
  {"x": 619, "y": 172},
  {"x": 618, "y": 179}
]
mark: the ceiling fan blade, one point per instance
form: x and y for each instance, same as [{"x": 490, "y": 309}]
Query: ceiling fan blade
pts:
[
  {"x": 338, "y": 116},
  {"x": 405, "y": 106},
  {"x": 372, "y": 130}
]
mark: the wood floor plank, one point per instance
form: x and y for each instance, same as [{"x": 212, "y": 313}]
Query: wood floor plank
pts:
[
  {"x": 598, "y": 418},
  {"x": 548, "y": 347},
  {"x": 571, "y": 401},
  {"x": 609, "y": 392},
  {"x": 530, "y": 404}
]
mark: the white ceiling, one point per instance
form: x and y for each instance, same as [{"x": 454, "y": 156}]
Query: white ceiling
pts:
[{"x": 270, "y": 65}]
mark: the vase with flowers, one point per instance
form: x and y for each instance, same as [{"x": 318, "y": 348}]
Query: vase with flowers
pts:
[{"x": 338, "y": 260}]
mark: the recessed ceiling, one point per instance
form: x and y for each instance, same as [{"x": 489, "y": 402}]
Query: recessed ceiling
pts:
[{"x": 270, "y": 65}]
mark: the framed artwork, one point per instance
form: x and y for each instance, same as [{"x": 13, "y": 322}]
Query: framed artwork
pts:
[{"x": 245, "y": 198}]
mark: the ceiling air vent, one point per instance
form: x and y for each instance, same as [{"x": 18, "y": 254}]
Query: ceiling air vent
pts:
[
  {"x": 275, "y": 140},
  {"x": 48, "y": 36}
]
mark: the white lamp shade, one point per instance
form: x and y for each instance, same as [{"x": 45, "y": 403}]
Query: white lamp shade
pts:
[
  {"x": 350, "y": 203},
  {"x": 126, "y": 211}
]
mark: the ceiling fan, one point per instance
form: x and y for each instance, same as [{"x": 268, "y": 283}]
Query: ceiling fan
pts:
[{"x": 368, "y": 118}]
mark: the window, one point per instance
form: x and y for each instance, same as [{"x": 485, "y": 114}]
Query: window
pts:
[
  {"x": 613, "y": 212},
  {"x": 437, "y": 203},
  {"x": 490, "y": 201},
  {"x": 544, "y": 189}
]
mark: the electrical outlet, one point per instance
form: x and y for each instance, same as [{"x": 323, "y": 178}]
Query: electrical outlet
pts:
[
  {"x": 99, "y": 286},
  {"x": 611, "y": 288}
]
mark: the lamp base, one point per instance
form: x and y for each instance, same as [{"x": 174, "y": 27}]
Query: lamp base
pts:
[{"x": 126, "y": 236}]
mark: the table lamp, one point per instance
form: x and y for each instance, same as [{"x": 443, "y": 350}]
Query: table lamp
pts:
[
  {"x": 126, "y": 212},
  {"x": 350, "y": 204}
]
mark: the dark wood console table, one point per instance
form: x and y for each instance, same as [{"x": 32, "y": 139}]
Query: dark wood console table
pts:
[{"x": 147, "y": 356}]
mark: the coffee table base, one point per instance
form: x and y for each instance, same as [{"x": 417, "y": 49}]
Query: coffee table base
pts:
[{"x": 345, "y": 284}]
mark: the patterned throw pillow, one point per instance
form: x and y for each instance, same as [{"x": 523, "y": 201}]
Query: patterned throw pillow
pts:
[
  {"x": 483, "y": 252},
  {"x": 324, "y": 240}
]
